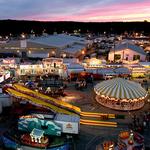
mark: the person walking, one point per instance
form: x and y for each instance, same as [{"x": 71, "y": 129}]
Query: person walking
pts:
[
  {"x": 92, "y": 79},
  {"x": 68, "y": 79},
  {"x": 138, "y": 121},
  {"x": 144, "y": 124}
]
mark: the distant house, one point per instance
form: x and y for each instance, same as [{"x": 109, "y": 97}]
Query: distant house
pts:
[{"x": 127, "y": 51}]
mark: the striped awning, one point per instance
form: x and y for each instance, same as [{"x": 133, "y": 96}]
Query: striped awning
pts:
[{"x": 119, "y": 88}]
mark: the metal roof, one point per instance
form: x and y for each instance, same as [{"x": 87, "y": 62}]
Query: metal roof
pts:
[
  {"x": 67, "y": 118},
  {"x": 75, "y": 66},
  {"x": 128, "y": 45},
  {"x": 74, "y": 48},
  {"x": 60, "y": 40}
]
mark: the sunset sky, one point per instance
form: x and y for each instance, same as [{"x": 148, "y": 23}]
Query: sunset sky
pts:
[{"x": 76, "y": 10}]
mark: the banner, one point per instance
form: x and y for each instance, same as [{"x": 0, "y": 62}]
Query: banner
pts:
[{"x": 1, "y": 79}]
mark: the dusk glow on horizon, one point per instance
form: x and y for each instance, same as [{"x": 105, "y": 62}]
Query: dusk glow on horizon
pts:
[{"x": 76, "y": 10}]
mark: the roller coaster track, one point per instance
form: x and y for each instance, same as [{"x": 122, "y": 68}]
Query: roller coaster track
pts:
[{"x": 58, "y": 106}]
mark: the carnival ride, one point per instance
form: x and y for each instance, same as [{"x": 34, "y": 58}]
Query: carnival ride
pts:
[
  {"x": 21, "y": 92},
  {"x": 29, "y": 122},
  {"x": 120, "y": 94},
  {"x": 27, "y": 140},
  {"x": 130, "y": 140}
]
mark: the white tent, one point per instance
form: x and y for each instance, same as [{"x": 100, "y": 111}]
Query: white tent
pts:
[
  {"x": 120, "y": 89},
  {"x": 116, "y": 91}
]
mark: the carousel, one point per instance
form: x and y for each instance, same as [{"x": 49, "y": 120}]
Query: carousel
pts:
[{"x": 120, "y": 94}]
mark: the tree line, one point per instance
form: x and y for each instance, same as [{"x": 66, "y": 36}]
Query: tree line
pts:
[{"x": 16, "y": 27}]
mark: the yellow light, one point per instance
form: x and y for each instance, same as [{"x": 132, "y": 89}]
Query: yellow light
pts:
[
  {"x": 94, "y": 61},
  {"x": 53, "y": 52},
  {"x": 83, "y": 52},
  {"x": 22, "y": 35}
]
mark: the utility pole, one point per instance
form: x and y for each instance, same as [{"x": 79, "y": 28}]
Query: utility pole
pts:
[
  {"x": 123, "y": 56},
  {"x": 114, "y": 51}
]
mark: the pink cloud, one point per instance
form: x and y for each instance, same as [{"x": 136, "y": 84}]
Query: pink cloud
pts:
[
  {"x": 137, "y": 11},
  {"x": 119, "y": 12}
]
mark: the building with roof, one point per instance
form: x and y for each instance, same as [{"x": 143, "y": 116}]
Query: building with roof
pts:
[
  {"x": 74, "y": 68},
  {"x": 68, "y": 123},
  {"x": 60, "y": 45},
  {"x": 127, "y": 51}
]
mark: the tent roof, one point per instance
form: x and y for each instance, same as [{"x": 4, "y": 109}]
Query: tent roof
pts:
[
  {"x": 67, "y": 118},
  {"x": 119, "y": 88}
]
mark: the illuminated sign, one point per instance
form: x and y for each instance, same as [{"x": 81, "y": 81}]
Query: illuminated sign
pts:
[
  {"x": 8, "y": 61},
  {"x": 94, "y": 62}
]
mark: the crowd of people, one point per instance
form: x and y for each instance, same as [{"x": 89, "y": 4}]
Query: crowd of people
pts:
[
  {"x": 80, "y": 84},
  {"x": 144, "y": 84},
  {"x": 48, "y": 84},
  {"x": 140, "y": 122},
  {"x": 55, "y": 91}
]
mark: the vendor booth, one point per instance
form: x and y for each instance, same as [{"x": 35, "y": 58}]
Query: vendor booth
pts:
[{"x": 94, "y": 63}]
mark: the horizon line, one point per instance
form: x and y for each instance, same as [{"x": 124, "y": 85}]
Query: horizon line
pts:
[{"x": 74, "y": 21}]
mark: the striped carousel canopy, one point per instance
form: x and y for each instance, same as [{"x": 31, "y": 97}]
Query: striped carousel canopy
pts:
[{"x": 119, "y": 88}]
